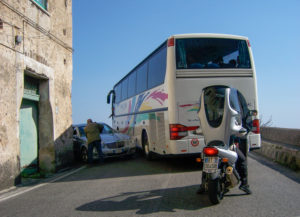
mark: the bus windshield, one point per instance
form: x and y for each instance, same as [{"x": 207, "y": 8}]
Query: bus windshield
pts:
[{"x": 212, "y": 53}]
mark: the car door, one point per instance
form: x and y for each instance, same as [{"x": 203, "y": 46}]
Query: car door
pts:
[{"x": 76, "y": 143}]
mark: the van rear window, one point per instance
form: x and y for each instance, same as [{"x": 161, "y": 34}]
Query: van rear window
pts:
[{"x": 212, "y": 53}]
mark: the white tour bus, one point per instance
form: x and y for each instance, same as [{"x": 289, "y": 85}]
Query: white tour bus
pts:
[{"x": 157, "y": 102}]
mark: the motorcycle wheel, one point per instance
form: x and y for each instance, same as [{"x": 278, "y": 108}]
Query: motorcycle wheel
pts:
[{"x": 215, "y": 192}]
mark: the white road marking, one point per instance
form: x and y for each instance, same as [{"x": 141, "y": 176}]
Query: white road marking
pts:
[{"x": 9, "y": 195}]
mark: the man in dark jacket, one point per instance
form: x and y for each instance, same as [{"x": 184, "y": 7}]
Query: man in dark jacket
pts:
[{"x": 92, "y": 132}]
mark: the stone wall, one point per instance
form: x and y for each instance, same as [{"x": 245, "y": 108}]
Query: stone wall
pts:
[
  {"x": 9, "y": 145},
  {"x": 282, "y": 135},
  {"x": 45, "y": 53},
  {"x": 281, "y": 145}
]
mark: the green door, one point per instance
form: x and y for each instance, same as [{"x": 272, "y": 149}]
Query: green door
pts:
[{"x": 28, "y": 136}]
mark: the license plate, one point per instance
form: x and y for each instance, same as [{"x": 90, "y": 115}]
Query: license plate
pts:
[
  {"x": 119, "y": 151},
  {"x": 210, "y": 164}
]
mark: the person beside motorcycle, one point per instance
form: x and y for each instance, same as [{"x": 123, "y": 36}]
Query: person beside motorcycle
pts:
[
  {"x": 92, "y": 132},
  {"x": 241, "y": 166},
  {"x": 242, "y": 149},
  {"x": 241, "y": 143}
]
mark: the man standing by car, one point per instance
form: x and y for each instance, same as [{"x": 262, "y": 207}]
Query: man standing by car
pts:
[{"x": 92, "y": 131}]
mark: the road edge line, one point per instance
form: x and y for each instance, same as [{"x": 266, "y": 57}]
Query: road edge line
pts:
[{"x": 3, "y": 198}]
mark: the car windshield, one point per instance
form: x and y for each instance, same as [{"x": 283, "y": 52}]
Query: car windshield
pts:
[
  {"x": 81, "y": 131},
  {"x": 210, "y": 53},
  {"x": 106, "y": 130}
]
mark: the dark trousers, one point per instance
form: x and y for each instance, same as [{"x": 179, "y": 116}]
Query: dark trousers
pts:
[
  {"x": 91, "y": 145},
  {"x": 241, "y": 164}
]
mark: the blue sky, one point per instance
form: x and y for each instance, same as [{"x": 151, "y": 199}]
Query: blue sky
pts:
[{"x": 111, "y": 37}]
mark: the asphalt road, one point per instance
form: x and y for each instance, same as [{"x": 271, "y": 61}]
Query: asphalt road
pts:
[{"x": 165, "y": 187}]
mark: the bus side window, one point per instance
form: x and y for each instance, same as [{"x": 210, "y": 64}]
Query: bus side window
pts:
[
  {"x": 132, "y": 84},
  {"x": 157, "y": 68},
  {"x": 141, "y": 79},
  {"x": 118, "y": 93}
]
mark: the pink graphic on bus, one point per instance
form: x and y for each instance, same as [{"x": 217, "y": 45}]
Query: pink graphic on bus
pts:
[{"x": 159, "y": 96}]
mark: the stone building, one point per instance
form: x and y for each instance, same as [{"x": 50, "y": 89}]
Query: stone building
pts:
[{"x": 35, "y": 87}]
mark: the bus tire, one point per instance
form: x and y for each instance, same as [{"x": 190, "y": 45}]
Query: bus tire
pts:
[{"x": 146, "y": 147}]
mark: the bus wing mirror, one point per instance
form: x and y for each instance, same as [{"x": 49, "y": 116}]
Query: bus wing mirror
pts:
[
  {"x": 108, "y": 99},
  {"x": 113, "y": 98},
  {"x": 112, "y": 92}
]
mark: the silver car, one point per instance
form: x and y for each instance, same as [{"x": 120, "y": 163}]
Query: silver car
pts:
[{"x": 114, "y": 144}]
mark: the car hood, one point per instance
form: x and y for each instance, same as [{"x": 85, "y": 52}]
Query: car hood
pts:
[{"x": 111, "y": 138}]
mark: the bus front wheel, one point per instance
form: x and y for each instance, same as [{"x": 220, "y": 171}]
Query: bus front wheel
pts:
[{"x": 146, "y": 148}]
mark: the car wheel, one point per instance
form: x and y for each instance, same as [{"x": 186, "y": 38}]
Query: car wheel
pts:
[
  {"x": 84, "y": 155},
  {"x": 76, "y": 152},
  {"x": 95, "y": 153}
]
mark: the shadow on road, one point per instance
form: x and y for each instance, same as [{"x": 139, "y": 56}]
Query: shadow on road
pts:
[
  {"x": 138, "y": 166},
  {"x": 235, "y": 195},
  {"x": 147, "y": 202}
]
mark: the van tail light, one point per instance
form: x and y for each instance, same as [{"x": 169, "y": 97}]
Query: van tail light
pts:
[
  {"x": 178, "y": 131},
  {"x": 210, "y": 151},
  {"x": 255, "y": 126}
]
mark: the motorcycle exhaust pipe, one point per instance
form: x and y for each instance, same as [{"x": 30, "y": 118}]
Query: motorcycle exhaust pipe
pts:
[
  {"x": 232, "y": 176},
  {"x": 229, "y": 170}
]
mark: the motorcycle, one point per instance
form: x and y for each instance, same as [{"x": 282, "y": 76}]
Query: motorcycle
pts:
[{"x": 221, "y": 118}]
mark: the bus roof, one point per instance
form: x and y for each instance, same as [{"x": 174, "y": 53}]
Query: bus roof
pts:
[
  {"x": 142, "y": 62},
  {"x": 208, "y": 35},
  {"x": 189, "y": 35}
]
